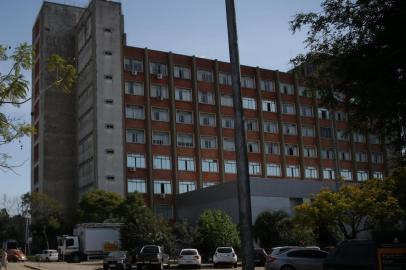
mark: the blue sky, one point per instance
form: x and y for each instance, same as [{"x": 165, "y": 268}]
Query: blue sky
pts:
[{"x": 191, "y": 27}]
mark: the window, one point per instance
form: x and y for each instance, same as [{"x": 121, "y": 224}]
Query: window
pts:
[
  {"x": 185, "y": 186},
  {"x": 108, "y": 126},
  {"x": 362, "y": 175},
  {"x": 327, "y": 153},
  {"x": 292, "y": 171},
  {"x": 251, "y": 125},
  {"x": 346, "y": 174},
  {"x": 209, "y": 165},
  {"x": 162, "y": 187},
  {"x": 183, "y": 94},
  {"x": 184, "y": 140},
  {"x": 311, "y": 172},
  {"x": 160, "y": 138},
  {"x": 136, "y": 185},
  {"x": 227, "y": 122},
  {"x": 273, "y": 170},
  {"x": 109, "y": 101},
  {"x": 133, "y": 65},
  {"x": 252, "y": 147},
  {"x": 186, "y": 164},
  {"x": 289, "y": 129},
  {"x": 269, "y": 106},
  {"x": 341, "y": 116},
  {"x": 184, "y": 117},
  {"x": 326, "y": 132},
  {"x": 342, "y": 135},
  {"x": 230, "y": 166},
  {"x": 249, "y": 103},
  {"x": 287, "y": 89},
  {"x": 270, "y": 127},
  {"x": 159, "y": 92},
  {"x": 304, "y": 92},
  {"x": 163, "y": 210},
  {"x": 254, "y": 168},
  {"x": 227, "y": 101},
  {"x": 247, "y": 82},
  {"x": 329, "y": 173},
  {"x": 361, "y": 157},
  {"x": 291, "y": 150},
  {"x": 377, "y": 158},
  {"x": 225, "y": 78},
  {"x": 158, "y": 68},
  {"x": 109, "y": 151},
  {"x": 288, "y": 108},
  {"x": 206, "y": 97},
  {"x": 133, "y": 88},
  {"x": 359, "y": 137},
  {"x": 378, "y": 175},
  {"x": 208, "y": 142},
  {"x": 134, "y": 112},
  {"x": 374, "y": 139},
  {"x": 306, "y": 110},
  {"x": 108, "y": 77},
  {"x": 204, "y": 75},
  {"x": 162, "y": 162},
  {"x": 207, "y": 119},
  {"x": 135, "y": 136},
  {"x": 135, "y": 161},
  {"x": 308, "y": 131},
  {"x": 267, "y": 86},
  {"x": 345, "y": 155},
  {"x": 323, "y": 113},
  {"x": 272, "y": 148},
  {"x": 309, "y": 152},
  {"x": 228, "y": 144},
  {"x": 159, "y": 114},
  {"x": 181, "y": 72}
]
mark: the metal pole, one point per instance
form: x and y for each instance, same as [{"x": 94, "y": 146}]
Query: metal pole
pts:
[{"x": 244, "y": 194}]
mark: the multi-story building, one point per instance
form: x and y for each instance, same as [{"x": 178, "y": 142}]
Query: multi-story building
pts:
[{"x": 161, "y": 123}]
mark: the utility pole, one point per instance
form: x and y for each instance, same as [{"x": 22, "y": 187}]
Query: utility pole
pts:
[{"x": 244, "y": 194}]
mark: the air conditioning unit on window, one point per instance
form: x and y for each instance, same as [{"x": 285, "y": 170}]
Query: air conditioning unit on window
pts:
[
  {"x": 162, "y": 195},
  {"x": 131, "y": 169},
  {"x": 134, "y": 72},
  {"x": 160, "y": 97},
  {"x": 159, "y": 76}
]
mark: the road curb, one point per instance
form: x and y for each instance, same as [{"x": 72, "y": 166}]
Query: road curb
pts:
[{"x": 32, "y": 267}]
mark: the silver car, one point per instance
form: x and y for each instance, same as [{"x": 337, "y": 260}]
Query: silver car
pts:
[{"x": 297, "y": 259}]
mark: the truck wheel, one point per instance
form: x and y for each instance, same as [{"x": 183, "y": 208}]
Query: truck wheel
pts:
[{"x": 76, "y": 258}]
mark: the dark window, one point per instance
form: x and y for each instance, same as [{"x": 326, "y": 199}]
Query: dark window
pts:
[
  {"x": 108, "y": 77},
  {"x": 110, "y": 177},
  {"x": 69, "y": 242},
  {"x": 108, "y": 30},
  {"x": 224, "y": 250},
  {"x": 188, "y": 252},
  {"x": 108, "y": 53},
  {"x": 109, "y": 126},
  {"x": 150, "y": 249},
  {"x": 108, "y": 101},
  {"x": 110, "y": 151}
]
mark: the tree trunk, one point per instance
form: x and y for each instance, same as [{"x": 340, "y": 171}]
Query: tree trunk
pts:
[{"x": 44, "y": 232}]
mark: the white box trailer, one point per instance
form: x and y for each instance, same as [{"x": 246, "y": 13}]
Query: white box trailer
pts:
[{"x": 90, "y": 240}]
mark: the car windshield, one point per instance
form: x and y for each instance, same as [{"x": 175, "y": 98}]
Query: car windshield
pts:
[
  {"x": 224, "y": 250},
  {"x": 150, "y": 249},
  {"x": 117, "y": 254},
  {"x": 188, "y": 252}
]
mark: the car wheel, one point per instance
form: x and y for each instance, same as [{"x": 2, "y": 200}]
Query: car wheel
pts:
[
  {"x": 287, "y": 267},
  {"x": 235, "y": 265},
  {"x": 47, "y": 259}
]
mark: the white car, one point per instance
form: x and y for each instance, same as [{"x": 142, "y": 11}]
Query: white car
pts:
[
  {"x": 224, "y": 255},
  {"x": 189, "y": 257},
  {"x": 48, "y": 255}
]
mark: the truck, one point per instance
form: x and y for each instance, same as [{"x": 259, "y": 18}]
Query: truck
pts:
[
  {"x": 89, "y": 241},
  {"x": 153, "y": 257}
]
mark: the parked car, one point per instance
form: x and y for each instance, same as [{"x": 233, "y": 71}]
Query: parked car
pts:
[
  {"x": 189, "y": 257},
  {"x": 117, "y": 260},
  {"x": 16, "y": 255},
  {"x": 279, "y": 250},
  {"x": 297, "y": 259},
  {"x": 47, "y": 255},
  {"x": 260, "y": 256},
  {"x": 224, "y": 256},
  {"x": 152, "y": 256}
]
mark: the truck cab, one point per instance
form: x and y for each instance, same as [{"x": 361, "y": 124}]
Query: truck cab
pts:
[{"x": 68, "y": 248}]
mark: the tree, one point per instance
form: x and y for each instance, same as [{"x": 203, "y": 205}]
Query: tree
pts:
[
  {"x": 46, "y": 215},
  {"x": 357, "y": 60},
  {"x": 353, "y": 209},
  {"x": 99, "y": 205},
  {"x": 214, "y": 229},
  {"x": 185, "y": 234},
  {"x": 271, "y": 228},
  {"x": 14, "y": 90}
]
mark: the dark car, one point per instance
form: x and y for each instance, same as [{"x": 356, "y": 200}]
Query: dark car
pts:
[
  {"x": 16, "y": 255},
  {"x": 117, "y": 260},
  {"x": 260, "y": 256}
]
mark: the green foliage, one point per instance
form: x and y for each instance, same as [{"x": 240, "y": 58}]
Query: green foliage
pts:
[
  {"x": 65, "y": 73},
  {"x": 356, "y": 49},
  {"x": 215, "y": 228},
  {"x": 184, "y": 234},
  {"x": 98, "y": 205},
  {"x": 399, "y": 186},
  {"x": 353, "y": 209}
]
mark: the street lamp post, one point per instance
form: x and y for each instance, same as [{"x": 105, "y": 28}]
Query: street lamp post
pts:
[{"x": 244, "y": 194}]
